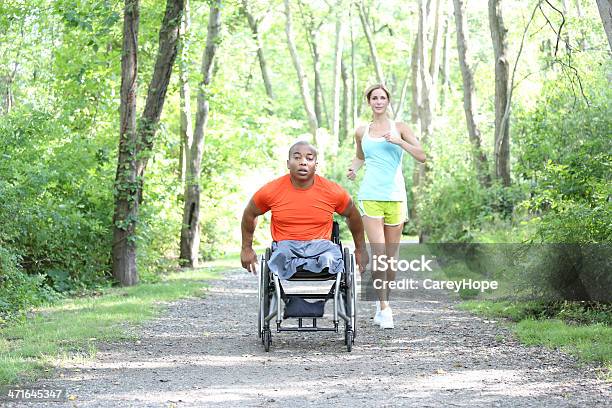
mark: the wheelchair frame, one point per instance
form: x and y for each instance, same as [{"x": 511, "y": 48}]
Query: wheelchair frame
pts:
[{"x": 343, "y": 292}]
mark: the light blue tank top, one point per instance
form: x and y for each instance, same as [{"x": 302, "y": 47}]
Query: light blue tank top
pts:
[{"x": 383, "y": 179}]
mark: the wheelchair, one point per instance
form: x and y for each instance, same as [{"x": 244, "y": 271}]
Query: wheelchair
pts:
[{"x": 343, "y": 293}]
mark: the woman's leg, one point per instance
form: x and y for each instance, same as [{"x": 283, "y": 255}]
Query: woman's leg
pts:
[
  {"x": 393, "y": 235},
  {"x": 374, "y": 228}
]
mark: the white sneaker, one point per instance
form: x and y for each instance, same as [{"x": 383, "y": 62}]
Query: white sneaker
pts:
[
  {"x": 386, "y": 318},
  {"x": 377, "y": 318}
]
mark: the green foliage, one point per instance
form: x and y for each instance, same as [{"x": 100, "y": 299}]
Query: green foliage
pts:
[
  {"x": 453, "y": 205},
  {"x": 510, "y": 310},
  {"x": 565, "y": 154},
  {"x": 336, "y": 167},
  {"x": 570, "y": 312},
  {"x": 561, "y": 183},
  {"x": 18, "y": 290},
  {"x": 56, "y": 220},
  {"x": 58, "y": 146},
  {"x": 561, "y": 194}
]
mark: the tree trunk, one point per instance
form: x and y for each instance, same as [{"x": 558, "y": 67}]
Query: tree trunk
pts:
[
  {"x": 156, "y": 92},
  {"x": 578, "y": 8},
  {"x": 434, "y": 63},
  {"x": 263, "y": 66},
  {"x": 425, "y": 107},
  {"x": 186, "y": 129},
  {"x": 312, "y": 31},
  {"x": 354, "y": 94},
  {"x": 190, "y": 231},
  {"x": 428, "y": 66},
  {"x": 346, "y": 103},
  {"x": 8, "y": 97},
  {"x": 469, "y": 103},
  {"x": 380, "y": 76},
  {"x": 318, "y": 88},
  {"x": 126, "y": 183},
  {"x": 605, "y": 11},
  {"x": 303, "y": 82},
  {"x": 337, "y": 77},
  {"x": 400, "y": 106},
  {"x": 582, "y": 42},
  {"x": 8, "y": 100},
  {"x": 446, "y": 62},
  {"x": 416, "y": 83},
  {"x": 135, "y": 146},
  {"x": 500, "y": 48}
]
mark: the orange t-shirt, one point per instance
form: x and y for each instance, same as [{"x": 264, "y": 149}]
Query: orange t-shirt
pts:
[{"x": 301, "y": 215}]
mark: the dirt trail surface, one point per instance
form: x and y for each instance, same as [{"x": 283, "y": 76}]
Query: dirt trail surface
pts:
[{"x": 205, "y": 352}]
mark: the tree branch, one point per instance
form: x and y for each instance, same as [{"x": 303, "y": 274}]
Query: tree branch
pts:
[
  {"x": 518, "y": 56},
  {"x": 560, "y": 26}
]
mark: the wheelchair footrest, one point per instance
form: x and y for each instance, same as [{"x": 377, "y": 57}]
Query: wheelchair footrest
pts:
[{"x": 302, "y": 328}]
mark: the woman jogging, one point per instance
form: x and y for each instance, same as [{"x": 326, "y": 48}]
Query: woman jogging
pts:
[{"x": 382, "y": 195}]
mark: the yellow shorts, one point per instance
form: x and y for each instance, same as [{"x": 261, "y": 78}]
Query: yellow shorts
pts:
[{"x": 392, "y": 212}]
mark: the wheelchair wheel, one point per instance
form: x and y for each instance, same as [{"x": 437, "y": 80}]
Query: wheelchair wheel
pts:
[
  {"x": 349, "y": 327},
  {"x": 264, "y": 297},
  {"x": 259, "y": 297},
  {"x": 354, "y": 296},
  {"x": 267, "y": 339},
  {"x": 348, "y": 340}
]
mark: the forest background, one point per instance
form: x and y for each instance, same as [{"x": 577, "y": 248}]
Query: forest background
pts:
[{"x": 510, "y": 98}]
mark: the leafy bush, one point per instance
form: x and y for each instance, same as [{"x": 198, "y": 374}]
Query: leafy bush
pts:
[
  {"x": 18, "y": 290},
  {"x": 54, "y": 211},
  {"x": 565, "y": 153},
  {"x": 453, "y": 205}
]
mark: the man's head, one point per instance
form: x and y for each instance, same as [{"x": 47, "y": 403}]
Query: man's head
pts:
[{"x": 302, "y": 162}]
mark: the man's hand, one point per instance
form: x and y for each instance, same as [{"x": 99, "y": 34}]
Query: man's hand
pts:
[
  {"x": 248, "y": 258},
  {"x": 362, "y": 259},
  {"x": 353, "y": 219}
]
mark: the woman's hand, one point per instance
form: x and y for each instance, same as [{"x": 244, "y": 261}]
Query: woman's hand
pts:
[
  {"x": 355, "y": 165},
  {"x": 351, "y": 173},
  {"x": 393, "y": 138}
]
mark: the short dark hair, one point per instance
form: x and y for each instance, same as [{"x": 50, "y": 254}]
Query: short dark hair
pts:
[{"x": 303, "y": 143}]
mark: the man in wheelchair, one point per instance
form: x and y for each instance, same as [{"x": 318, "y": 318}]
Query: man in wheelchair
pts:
[{"x": 302, "y": 205}]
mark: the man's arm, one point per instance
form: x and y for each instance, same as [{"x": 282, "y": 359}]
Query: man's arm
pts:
[
  {"x": 353, "y": 220},
  {"x": 248, "y": 257}
]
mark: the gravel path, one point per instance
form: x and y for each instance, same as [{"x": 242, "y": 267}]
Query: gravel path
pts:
[{"x": 205, "y": 352}]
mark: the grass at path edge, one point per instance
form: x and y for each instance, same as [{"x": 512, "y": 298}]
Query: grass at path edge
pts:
[
  {"x": 71, "y": 328},
  {"x": 590, "y": 342}
]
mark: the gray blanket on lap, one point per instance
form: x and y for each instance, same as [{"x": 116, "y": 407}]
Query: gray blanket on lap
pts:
[{"x": 313, "y": 256}]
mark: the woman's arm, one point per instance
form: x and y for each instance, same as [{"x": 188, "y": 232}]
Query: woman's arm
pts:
[
  {"x": 407, "y": 141},
  {"x": 359, "y": 156}
]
